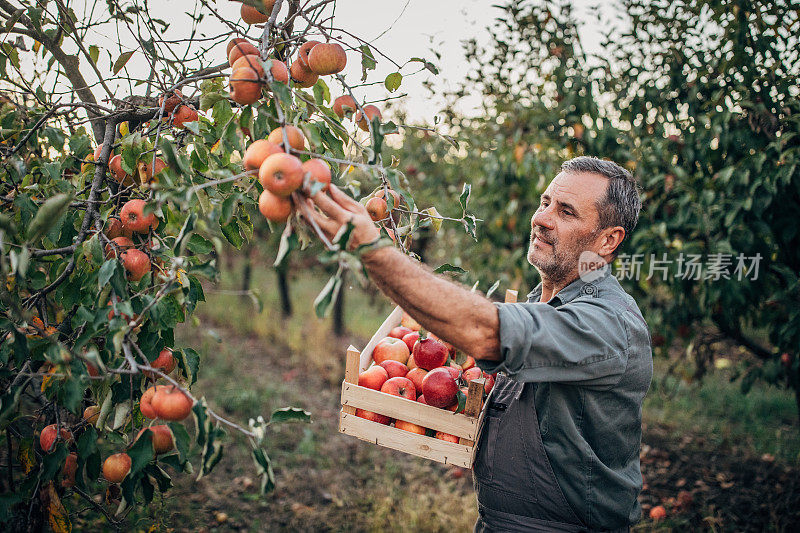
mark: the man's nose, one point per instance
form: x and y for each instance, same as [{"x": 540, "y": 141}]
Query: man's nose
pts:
[{"x": 542, "y": 217}]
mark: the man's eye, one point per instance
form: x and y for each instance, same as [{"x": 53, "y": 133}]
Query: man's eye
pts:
[{"x": 568, "y": 212}]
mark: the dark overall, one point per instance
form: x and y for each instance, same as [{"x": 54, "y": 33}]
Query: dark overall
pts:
[{"x": 514, "y": 482}]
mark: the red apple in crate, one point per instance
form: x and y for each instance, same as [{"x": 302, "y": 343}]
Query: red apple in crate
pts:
[
  {"x": 472, "y": 373},
  {"x": 408, "y": 426},
  {"x": 469, "y": 363},
  {"x": 402, "y": 387},
  {"x": 409, "y": 322},
  {"x": 454, "y": 370},
  {"x": 390, "y": 348},
  {"x": 450, "y": 348},
  {"x": 375, "y": 417},
  {"x": 416, "y": 375},
  {"x": 430, "y": 353},
  {"x": 411, "y": 339},
  {"x": 395, "y": 368},
  {"x": 411, "y": 364},
  {"x": 399, "y": 332},
  {"x": 439, "y": 388},
  {"x": 489, "y": 382},
  {"x": 373, "y": 378},
  {"x": 421, "y": 399},
  {"x": 446, "y": 436}
]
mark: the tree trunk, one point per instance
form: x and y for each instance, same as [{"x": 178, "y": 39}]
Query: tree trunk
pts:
[
  {"x": 338, "y": 310},
  {"x": 247, "y": 271},
  {"x": 283, "y": 289}
]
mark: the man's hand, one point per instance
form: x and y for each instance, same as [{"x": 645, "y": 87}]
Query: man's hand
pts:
[
  {"x": 463, "y": 318},
  {"x": 337, "y": 209}
]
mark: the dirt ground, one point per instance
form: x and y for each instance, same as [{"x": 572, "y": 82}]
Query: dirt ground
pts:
[{"x": 331, "y": 482}]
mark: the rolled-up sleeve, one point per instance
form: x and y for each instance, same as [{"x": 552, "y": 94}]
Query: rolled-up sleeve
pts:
[{"x": 585, "y": 341}]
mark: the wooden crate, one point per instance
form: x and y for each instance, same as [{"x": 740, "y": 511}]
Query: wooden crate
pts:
[{"x": 463, "y": 425}]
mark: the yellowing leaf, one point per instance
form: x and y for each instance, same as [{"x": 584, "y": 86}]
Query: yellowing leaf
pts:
[
  {"x": 26, "y": 456},
  {"x": 48, "y": 378},
  {"x": 57, "y": 516},
  {"x": 436, "y": 220},
  {"x": 119, "y": 64}
]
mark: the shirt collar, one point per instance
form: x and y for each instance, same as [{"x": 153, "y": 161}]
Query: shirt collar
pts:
[{"x": 579, "y": 287}]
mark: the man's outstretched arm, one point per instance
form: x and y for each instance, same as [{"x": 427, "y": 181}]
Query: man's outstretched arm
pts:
[{"x": 463, "y": 318}]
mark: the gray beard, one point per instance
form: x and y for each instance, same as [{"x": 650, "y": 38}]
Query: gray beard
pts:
[
  {"x": 561, "y": 266},
  {"x": 557, "y": 269}
]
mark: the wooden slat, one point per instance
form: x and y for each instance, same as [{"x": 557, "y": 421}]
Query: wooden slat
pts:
[
  {"x": 474, "y": 404},
  {"x": 391, "y": 321},
  {"x": 351, "y": 372},
  {"x": 474, "y": 451},
  {"x": 410, "y": 411},
  {"x": 511, "y": 296},
  {"x": 428, "y": 447}
]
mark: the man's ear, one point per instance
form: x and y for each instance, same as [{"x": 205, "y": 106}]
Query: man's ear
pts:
[{"x": 611, "y": 238}]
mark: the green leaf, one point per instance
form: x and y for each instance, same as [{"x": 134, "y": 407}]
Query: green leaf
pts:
[
  {"x": 289, "y": 242},
  {"x": 119, "y": 64},
  {"x": 283, "y": 93},
  {"x": 141, "y": 452},
  {"x": 322, "y": 94},
  {"x": 199, "y": 245},
  {"x": 182, "y": 440},
  {"x": 53, "y": 461},
  {"x": 427, "y": 64},
  {"x": 447, "y": 267},
  {"x": 470, "y": 225},
  {"x": 392, "y": 81},
  {"x": 202, "y": 422},
  {"x": 264, "y": 469},
  {"x": 290, "y": 414},
  {"x": 190, "y": 363},
  {"x": 327, "y": 295},
  {"x": 464, "y": 198},
  {"x": 232, "y": 234},
  {"x": 367, "y": 61},
  {"x": 112, "y": 272},
  {"x": 462, "y": 401},
  {"x": 94, "y": 53},
  {"x": 48, "y": 214}
]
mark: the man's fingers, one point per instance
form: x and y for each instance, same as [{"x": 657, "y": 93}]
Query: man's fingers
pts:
[
  {"x": 331, "y": 208},
  {"x": 343, "y": 199},
  {"x": 330, "y": 227}
]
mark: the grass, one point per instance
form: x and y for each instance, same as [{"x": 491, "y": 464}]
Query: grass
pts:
[
  {"x": 764, "y": 421},
  {"x": 254, "y": 362}
]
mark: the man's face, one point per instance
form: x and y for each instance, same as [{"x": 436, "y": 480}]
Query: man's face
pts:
[{"x": 565, "y": 224}]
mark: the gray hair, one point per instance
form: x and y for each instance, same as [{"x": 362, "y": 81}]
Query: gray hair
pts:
[{"x": 621, "y": 204}]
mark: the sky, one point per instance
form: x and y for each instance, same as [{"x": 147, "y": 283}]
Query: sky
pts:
[
  {"x": 400, "y": 29},
  {"x": 410, "y": 28}
]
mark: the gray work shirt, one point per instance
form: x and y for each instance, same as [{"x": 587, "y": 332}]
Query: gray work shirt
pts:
[{"x": 588, "y": 349}]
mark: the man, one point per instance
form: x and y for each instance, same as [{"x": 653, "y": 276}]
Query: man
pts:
[{"x": 559, "y": 449}]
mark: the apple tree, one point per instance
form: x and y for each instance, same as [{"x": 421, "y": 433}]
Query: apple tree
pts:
[
  {"x": 125, "y": 167},
  {"x": 701, "y": 102}
]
